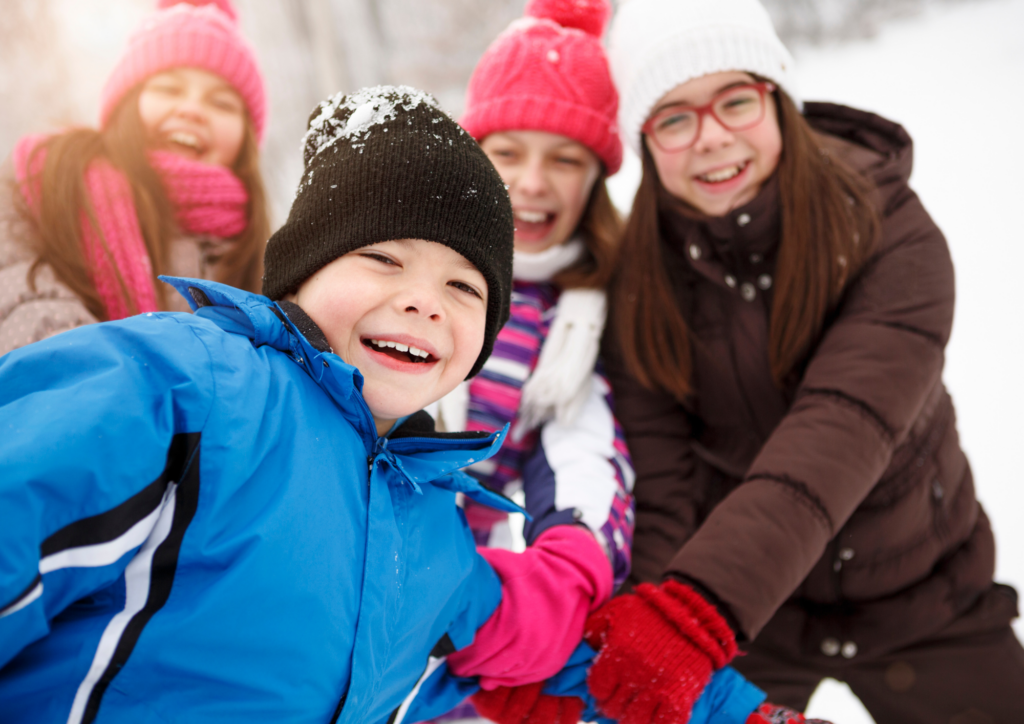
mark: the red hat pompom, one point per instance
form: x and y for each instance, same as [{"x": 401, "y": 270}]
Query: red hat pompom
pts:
[
  {"x": 225, "y": 5},
  {"x": 590, "y": 16},
  {"x": 548, "y": 72}
]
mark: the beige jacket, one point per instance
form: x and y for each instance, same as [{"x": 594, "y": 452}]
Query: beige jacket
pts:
[{"x": 28, "y": 315}]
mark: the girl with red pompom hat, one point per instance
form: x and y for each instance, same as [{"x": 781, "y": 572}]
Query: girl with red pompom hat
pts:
[
  {"x": 168, "y": 183},
  {"x": 542, "y": 105}
]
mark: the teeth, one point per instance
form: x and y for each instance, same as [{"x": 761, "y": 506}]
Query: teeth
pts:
[
  {"x": 531, "y": 217},
  {"x": 184, "y": 139},
  {"x": 414, "y": 351},
  {"x": 723, "y": 174}
]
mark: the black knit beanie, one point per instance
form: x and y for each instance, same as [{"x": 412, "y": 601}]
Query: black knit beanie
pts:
[{"x": 387, "y": 163}]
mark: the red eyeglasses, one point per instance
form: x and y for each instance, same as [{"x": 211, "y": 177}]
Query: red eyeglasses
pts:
[{"x": 677, "y": 127}]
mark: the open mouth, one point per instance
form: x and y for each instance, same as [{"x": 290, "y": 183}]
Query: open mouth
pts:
[
  {"x": 533, "y": 225},
  {"x": 189, "y": 143},
  {"x": 399, "y": 351},
  {"x": 723, "y": 174}
]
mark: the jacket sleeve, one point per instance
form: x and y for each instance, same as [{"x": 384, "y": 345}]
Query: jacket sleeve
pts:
[
  {"x": 582, "y": 473},
  {"x": 728, "y": 697},
  {"x": 28, "y": 315},
  {"x": 439, "y": 690},
  {"x": 98, "y": 426},
  {"x": 863, "y": 388}
]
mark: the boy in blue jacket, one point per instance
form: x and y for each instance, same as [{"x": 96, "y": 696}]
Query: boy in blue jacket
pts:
[{"x": 236, "y": 515}]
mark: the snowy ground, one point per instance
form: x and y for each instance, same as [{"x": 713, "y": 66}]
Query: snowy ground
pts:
[{"x": 951, "y": 78}]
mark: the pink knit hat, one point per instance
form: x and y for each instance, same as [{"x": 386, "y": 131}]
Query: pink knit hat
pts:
[
  {"x": 548, "y": 72},
  {"x": 190, "y": 33}
]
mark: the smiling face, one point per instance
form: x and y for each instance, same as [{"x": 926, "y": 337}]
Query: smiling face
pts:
[
  {"x": 724, "y": 169},
  {"x": 549, "y": 179},
  {"x": 193, "y": 113},
  {"x": 410, "y": 315}
]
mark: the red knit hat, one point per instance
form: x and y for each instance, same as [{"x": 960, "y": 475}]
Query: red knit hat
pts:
[
  {"x": 190, "y": 33},
  {"x": 548, "y": 72}
]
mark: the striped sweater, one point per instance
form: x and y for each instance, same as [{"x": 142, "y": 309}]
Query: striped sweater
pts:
[{"x": 579, "y": 473}]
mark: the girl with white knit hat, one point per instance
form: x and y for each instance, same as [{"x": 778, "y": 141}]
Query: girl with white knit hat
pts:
[
  {"x": 168, "y": 183},
  {"x": 778, "y": 320}
]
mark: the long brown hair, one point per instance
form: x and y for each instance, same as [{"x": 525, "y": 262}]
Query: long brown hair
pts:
[
  {"x": 600, "y": 228},
  {"x": 829, "y": 226},
  {"x": 57, "y": 235}
]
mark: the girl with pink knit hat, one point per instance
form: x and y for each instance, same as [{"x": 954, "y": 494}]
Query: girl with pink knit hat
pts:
[
  {"x": 168, "y": 183},
  {"x": 542, "y": 105}
]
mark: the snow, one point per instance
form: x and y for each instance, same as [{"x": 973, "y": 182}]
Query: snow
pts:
[
  {"x": 946, "y": 76},
  {"x": 366, "y": 108}
]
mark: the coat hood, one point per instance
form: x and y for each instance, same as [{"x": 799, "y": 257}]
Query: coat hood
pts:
[{"x": 876, "y": 147}]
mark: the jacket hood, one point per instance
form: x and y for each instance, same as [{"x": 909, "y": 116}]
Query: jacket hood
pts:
[
  {"x": 876, "y": 147},
  {"x": 413, "y": 448}
]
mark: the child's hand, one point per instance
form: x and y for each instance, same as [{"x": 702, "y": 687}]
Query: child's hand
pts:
[
  {"x": 547, "y": 593},
  {"x": 658, "y": 647},
  {"x": 522, "y": 704},
  {"x": 774, "y": 714}
]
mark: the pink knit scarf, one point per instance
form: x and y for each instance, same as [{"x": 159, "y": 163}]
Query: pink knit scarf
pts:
[{"x": 207, "y": 200}]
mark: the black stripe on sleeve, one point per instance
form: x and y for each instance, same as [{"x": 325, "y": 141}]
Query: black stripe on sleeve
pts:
[
  {"x": 164, "y": 566},
  {"x": 341, "y": 705},
  {"x": 17, "y": 599},
  {"x": 443, "y": 647},
  {"x": 117, "y": 521}
]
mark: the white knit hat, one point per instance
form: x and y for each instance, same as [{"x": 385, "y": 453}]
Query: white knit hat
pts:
[{"x": 656, "y": 45}]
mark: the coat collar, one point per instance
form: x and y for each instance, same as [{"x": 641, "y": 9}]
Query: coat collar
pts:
[
  {"x": 413, "y": 449},
  {"x": 732, "y": 251},
  {"x": 750, "y": 230}
]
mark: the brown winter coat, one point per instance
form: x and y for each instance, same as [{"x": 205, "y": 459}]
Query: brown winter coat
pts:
[
  {"x": 29, "y": 315},
  {"x": 840, "y": 508}
]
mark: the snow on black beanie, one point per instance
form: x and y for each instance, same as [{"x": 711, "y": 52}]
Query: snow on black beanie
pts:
[{"x": 387, "y": 163}]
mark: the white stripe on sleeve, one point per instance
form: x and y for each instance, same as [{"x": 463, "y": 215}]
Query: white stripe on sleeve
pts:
[{"x": 137, "y": 580}]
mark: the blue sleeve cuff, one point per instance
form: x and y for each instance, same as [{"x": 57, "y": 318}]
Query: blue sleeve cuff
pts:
[{"x": 727, "y": 699}]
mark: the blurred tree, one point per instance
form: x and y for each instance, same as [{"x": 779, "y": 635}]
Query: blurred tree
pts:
[
  {"x": 33, "y": 76},
  {"x": 817, "y": 21}
]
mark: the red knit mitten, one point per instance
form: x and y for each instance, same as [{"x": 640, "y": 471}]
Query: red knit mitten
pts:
[
  {"x": 657, "y": 650},
  {"x": 775, "y": 714},
  {"x": 522, "y": 704}
]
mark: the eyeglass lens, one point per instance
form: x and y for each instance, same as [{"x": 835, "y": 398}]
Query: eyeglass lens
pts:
[{"x": 736, "y": 109}]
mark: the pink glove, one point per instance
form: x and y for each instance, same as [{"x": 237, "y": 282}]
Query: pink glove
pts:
[{"x": 546, "y": 594}]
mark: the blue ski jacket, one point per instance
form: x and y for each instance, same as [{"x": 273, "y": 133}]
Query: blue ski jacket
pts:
[{"x": 198, "y": 522}]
